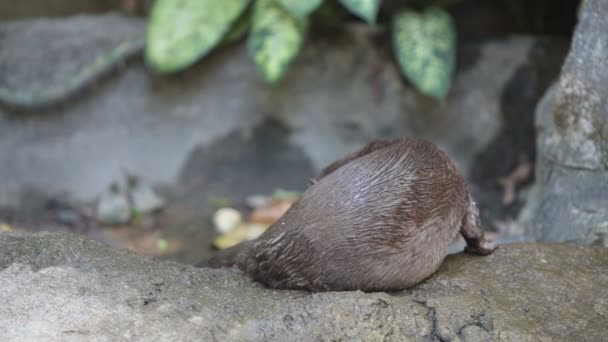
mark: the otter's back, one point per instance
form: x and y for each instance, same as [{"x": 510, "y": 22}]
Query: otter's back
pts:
[{"x": 383, "y": 220}]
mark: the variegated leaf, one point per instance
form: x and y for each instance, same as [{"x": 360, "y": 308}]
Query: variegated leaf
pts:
[
  {"x": 275, "y": 39},
  {"x": 300, "y": 8},
  {"x": 424, "y": 45},
  {"x": 181, "y": 32},
  {"x": 365, "y": 9},
  {"x": 238, "y": 30}
]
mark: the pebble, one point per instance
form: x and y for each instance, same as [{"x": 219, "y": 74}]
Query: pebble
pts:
[
  {"x": 113, "y": 208},
  {"x": 226, "y": 220},
  {"x": 257, "y": 201},
  {"x": 145, "y": 200}
]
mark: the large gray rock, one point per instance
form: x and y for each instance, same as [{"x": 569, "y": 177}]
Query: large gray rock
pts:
[
  {"x": 58, "y": 287},
  {"x": 43, "y": 61},
  {"x": 47, "y": 8},
  {"x": 570, "y": 201}
]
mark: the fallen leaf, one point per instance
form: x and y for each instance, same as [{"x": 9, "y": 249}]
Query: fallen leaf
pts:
[
  {"x": 244, "y": 232},
  {"x": 143, "y": 243},
  {"x": 271, "y": 213},
  {"x": 6, "y": 227},
  {"x": 231, "y": 238}
]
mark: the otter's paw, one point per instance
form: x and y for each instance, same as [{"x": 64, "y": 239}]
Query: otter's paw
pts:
[{"x": 487, "y": 247}]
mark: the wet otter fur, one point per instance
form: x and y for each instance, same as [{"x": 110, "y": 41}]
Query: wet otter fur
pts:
[{"x": 379, "y": 219}]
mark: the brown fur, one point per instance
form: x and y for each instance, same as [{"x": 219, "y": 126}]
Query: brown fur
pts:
[{"x": 379, "y": 219}]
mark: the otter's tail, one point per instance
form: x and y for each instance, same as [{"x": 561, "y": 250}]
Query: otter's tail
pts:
[{"x": 234, "y": 256}]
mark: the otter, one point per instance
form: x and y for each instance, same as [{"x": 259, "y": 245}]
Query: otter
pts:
[{"x": 379, "y": 219}]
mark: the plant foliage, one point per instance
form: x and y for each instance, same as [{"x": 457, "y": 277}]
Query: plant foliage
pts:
[
  {"x": 365, "y": 9},
  {"x": 182, "y": 31},
  {"x": 275, "y": 39},
  {"x": 300, "y": 8},
  {"x": 425, "y": 48}
]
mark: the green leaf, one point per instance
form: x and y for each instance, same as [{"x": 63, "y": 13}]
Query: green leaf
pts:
[
  {"x": 181, "y": 32},
  {"x": 424, "y": 45},
  {"x": 365, "y": 9},
  {"x": 238, "y": 30},
  {"x": 285, "y": 195},
  {"x": 300, "y": 8},
  {"x": 275, "y": 39}
]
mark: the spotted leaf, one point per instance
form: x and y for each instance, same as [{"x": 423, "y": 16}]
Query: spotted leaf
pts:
[
  {"x": 424, "y": 45},
  {"x": 275, "y": 39},
  {"x": 300, "y": 8},
  {"x": 180, "y": 32},
  {"x": 365, "y": 9},
  {"x": 238, "y": 30}
]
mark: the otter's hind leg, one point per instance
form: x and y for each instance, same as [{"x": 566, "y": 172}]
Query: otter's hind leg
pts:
[
  {"x": 473, "y": 233},
  {"x": 372, "y": 146}
]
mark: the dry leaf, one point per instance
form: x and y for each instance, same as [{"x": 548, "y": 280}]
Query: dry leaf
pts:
[{"x": 270, "y": 213}]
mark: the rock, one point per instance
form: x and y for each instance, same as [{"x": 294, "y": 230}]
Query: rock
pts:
[
  {"x": 62, "y": 67},
  {"x": 60, "y": 286},
  {"x": 143, "y": 198},
  {"x": 570, "y": 201},
  {"x": 50, "y": 8},
  {"x": 226, "y": 220},
  {"x": 113, "y": 208}
]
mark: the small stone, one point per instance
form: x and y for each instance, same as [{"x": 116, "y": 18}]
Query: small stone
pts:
[
  {"x": 162, "y": 245},
  {"x": 113, "y": 208},
  {"x": 257, "y": 201},
  {"x": 145, "y": 199},
  {"x": 158, "y": 281},
  {"x": 68, "y": 217},
  {"x": 226, "y": 220}
]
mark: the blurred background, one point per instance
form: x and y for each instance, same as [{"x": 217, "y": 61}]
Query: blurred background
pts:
[{"x": 177, "y": 128}]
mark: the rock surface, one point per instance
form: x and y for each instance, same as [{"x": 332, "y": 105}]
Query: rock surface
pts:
[
  {"x": 60, "y": 286},
  {"x": 70, "y": 55},
  {"x": 50, "y": 8},
  {"x": 571, "y": 198}
]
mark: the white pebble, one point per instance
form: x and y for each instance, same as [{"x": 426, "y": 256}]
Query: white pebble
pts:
[{"x": 226, "y": 220}]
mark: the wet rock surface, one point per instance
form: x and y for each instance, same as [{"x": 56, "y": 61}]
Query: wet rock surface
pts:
[
  {"x": 570, "y": 202},
  {"x": 59, "y": 286}
]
